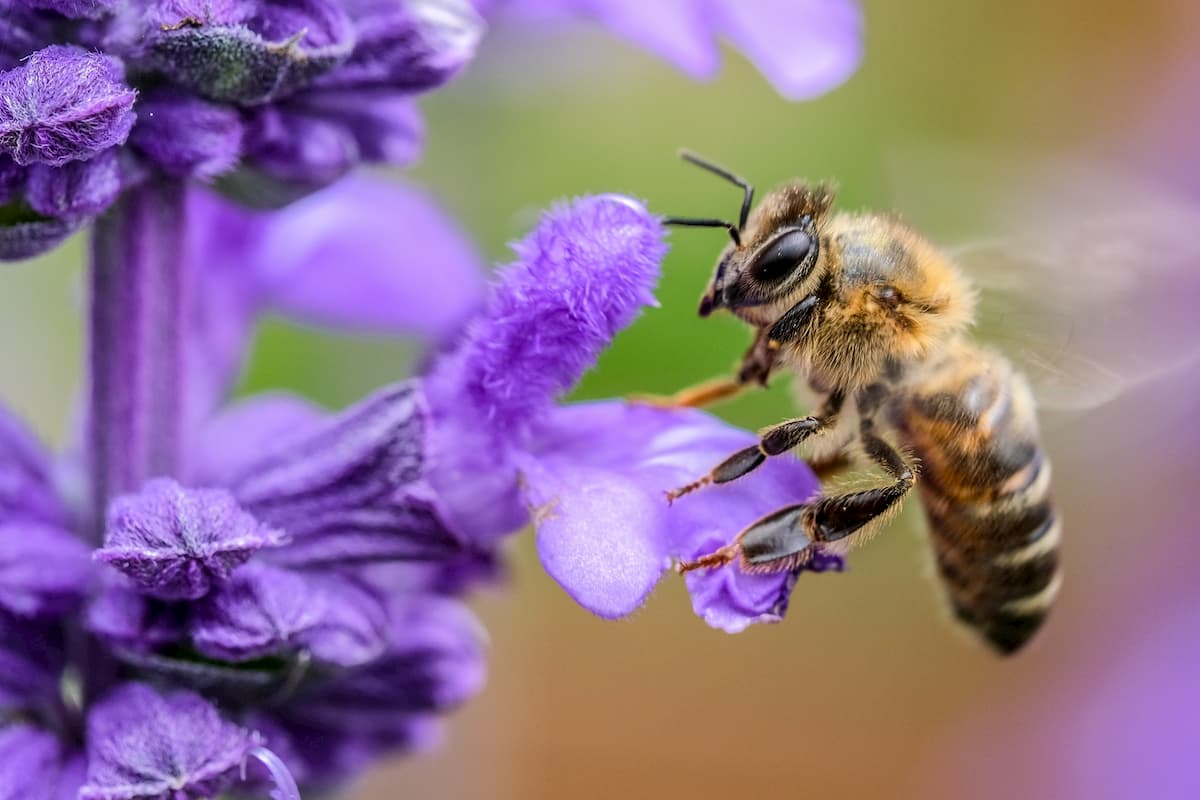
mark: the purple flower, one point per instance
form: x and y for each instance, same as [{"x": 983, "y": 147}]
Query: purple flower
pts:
[
  {"x": 592, "y": 476},
  {"x": 804, "y": 47}
]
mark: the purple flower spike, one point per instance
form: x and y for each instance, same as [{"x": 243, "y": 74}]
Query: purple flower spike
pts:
[
  {"x": 144, "y": 746},
  {"x": 248, "y": 53},
  {"x": 187, "y": 136},
  {"x": 411, "y": 46},
  {"x": 263, "y": 610},
  {"x": 177, "y": 543},
  {"x": 63, "y": 104},
  {"x": 582, "y": 275},
  {"x": 595, "y": 483},
  {"x": 77, "y": 189}
]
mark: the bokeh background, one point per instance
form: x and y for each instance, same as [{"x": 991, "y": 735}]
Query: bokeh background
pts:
[{"x": 865, "y": 690}]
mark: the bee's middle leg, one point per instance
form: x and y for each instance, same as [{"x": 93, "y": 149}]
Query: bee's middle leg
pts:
[
  {"x": 789, "y": 538},
  {"x": 773, "y": 441}
]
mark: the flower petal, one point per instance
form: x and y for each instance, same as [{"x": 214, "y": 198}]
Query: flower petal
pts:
[
  {"x": 261, "y": 611},
  {"x": 187, "y": 136},
  {"x": 595, "y": 479},
  {"x": 44, "y": 569},
  {"x": 26, "y": 490},
  {"x": 63, "y": 104},
  {"x": 76, "y": 9},
  {"x": 24, "y": 233},
  {"x": 176, "y": 543},
  {"x": 351, "y": 490},
  {"x": 412, "y": 46},
  {"x": 145, "y": 745},
  {"x": 581, "y": 276},
  {"x": 804, "y": 47},
  {"x": 35, "y": 765},
  {"x": 237, "y": 437},
  {"x": 77, "y": 189},
  {"x": 371, "y": 255}
]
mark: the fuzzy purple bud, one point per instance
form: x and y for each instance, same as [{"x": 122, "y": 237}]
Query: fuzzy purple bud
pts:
[
  {"x": 63, "y": 104},
  {"x": 177, "y": 543},
  {"x": 77, "y": 189},
  {"x": 580, "y": 277},
  {"x": 187, "y": 136},
  {"x": 148, "y": 746}
]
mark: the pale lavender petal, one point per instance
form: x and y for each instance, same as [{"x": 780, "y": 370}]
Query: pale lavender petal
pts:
[
  {"x": 44, "y": 569},
  {"x": 63, "y": 104},
  {"x": 176, "y": 543},
  {"x": 147, "y": 746},
  {"x": 26, "y": 490},
  {"x": 595, "y": 482},
  {"x": 804, "y": 47},
  {"x": 370, "y": 254},
  {"x": 239, "y": 435}
]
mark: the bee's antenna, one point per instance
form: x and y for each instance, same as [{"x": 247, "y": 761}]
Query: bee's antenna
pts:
[
  {"x": 699, "y": 222},
  {"x": 705, "y": 164}
]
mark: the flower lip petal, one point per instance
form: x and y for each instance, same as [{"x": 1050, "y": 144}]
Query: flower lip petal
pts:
[
  {"x": 595, "y": 478},
  {"x": 187, "y": 136},
  {"x": 24, "y": 233},
  {"x": 64, "y": 104},
  {"x": 44, "y": 569},
  {"x": 176, "y": 543},
  {"x": 77, "y": 189}
]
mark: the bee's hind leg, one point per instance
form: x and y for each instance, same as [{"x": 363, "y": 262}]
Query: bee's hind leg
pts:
[{"x": 776, "y": 543}]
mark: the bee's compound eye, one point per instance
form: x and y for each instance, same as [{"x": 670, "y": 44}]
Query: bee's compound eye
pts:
[{"x": 780, "y": 259}]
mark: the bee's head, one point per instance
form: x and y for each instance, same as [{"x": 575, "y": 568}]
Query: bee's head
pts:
[{"x": 776, "y": 250}]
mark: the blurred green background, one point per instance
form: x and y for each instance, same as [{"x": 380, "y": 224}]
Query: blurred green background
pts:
[{"x": 866, "y": 687}]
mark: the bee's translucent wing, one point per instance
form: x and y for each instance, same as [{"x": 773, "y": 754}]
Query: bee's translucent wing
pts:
[{"x": 1089, "y": 283}]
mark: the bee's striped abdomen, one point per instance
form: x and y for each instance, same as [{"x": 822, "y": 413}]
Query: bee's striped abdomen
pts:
[{"x": 986, "y": 491}]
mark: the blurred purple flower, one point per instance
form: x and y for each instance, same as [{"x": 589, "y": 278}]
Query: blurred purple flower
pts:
[{"x": 803, "y": 47}]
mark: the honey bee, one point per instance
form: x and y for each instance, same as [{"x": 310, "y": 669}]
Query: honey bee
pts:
[{"x": 877, "y": 321}]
